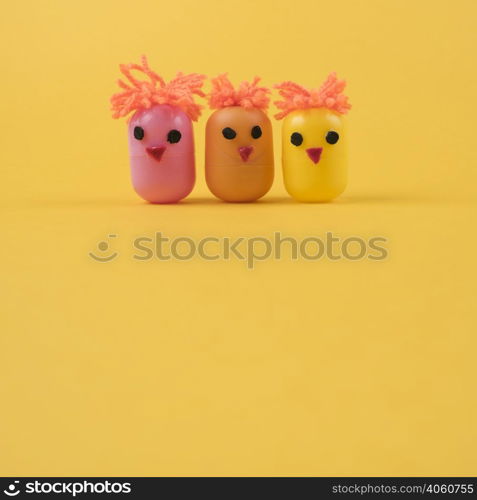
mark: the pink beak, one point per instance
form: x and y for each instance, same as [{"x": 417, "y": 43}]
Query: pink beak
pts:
[
  {"x": 156, "y": 152},
  {"x": 245, "y": 152},
  {"x": 314, "y": 154}
]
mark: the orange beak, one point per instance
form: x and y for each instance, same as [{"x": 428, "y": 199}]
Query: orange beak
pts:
[{"x": 245, "y": 152}]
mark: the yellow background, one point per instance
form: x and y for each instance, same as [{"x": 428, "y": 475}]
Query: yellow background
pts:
[{"x": 206, "y": 368}]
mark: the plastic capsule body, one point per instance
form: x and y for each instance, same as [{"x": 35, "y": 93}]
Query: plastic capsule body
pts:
[
  {"x": 161, "y": 149},
  {"x": 314, "y": 154},
  {"x": 239, "y": 154}
]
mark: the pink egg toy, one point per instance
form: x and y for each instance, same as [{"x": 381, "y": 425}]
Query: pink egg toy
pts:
[{"x": 160, "y": 133}]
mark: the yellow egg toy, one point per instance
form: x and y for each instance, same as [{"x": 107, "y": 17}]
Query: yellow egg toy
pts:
[{"x": 314, "y": 150}]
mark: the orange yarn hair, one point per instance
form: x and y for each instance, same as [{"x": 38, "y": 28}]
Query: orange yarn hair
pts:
[
  {"x": 248, "y": 95},
  {"x": 142, "y": 94},
  {"x": 329, "y": 96}
]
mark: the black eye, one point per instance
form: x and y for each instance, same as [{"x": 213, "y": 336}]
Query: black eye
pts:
[
  {"x": 229, "y": 133},
  {"x": 174, "y": 136},
  {"x": 256, "y": 132},
  {"x": 138, "y": 133},
  {"x": 296, "y": 139},
  {"x": 332, "y": 137}
]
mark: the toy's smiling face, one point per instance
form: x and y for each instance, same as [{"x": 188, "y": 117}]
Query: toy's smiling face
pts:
[
  {"x": 314, "y": 136},
  {"x": 161, "y": 149},
  {"x": 238, "y": 136},
  {"x": 159, "y": 134},
  {"x": 314, "y": 154}
]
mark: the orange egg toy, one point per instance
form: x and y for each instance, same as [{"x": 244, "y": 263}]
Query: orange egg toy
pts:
[{"x": 239, "y": 142}]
